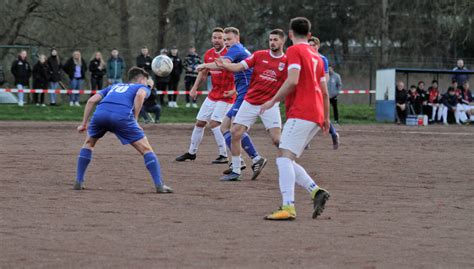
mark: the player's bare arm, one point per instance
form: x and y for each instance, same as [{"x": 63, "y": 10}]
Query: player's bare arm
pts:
[
  {"x": 227, "y": 65},
  {"x": 138, "y": 102},
  {"x": 229, "y": 93},
  {"x": 285, "y": 89},
  {"x": 201, "y": 77},
  {"x": 91, "y": 103},
  {"x": 324, "y": 91},
  {"x": 211, "y": 66}
]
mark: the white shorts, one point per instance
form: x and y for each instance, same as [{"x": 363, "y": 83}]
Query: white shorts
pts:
[
  {"x": 296, "y": 134},
  {"x": 212, "y": 110},
  {"x": 248, "y": 114}
]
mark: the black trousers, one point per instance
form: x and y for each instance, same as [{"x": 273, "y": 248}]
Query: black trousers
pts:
[
  {"x": 402, "y": 114},
  {"x": 173, "y": 86},
  {"x": 38, "y": 98},
  {"x": 333, "y": 102},
  {"x": 188, "y": 84},
  {"x": 96, "y": 84},
  {"x": 161, "y": 86}
]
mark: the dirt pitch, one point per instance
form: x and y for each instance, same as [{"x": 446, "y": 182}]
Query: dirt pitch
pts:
[{"x": 401, "y": 198}]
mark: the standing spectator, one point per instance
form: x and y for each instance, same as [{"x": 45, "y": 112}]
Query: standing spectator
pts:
[
  {"x": 115, "y": 67},
  {"x": 460, "y": 78},
  {"x": 190, "y": 63},
  {"x": 401, "y": 97},
  {"x": 97, "y": 68},
  {"x": 162, "y": 82},
  {"x": 21, "y": 70},
  {"x": 76, "y": 69},
  {"x": 144, "y": 60},
  {"x": 54, "y": 65},
  {"x": 433, "y": 100},
  {"x": 335, "y": 85},
  {"x": 174, "y": 77},
  {"x": 41, "y": 76},
  {"x": 415, "y": 102}
]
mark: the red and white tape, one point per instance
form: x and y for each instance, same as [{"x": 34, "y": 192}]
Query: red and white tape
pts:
[{"x": 70, "y": 91}]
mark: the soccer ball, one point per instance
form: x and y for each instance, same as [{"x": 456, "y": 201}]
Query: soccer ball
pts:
[{"x": 162, "y": 65}]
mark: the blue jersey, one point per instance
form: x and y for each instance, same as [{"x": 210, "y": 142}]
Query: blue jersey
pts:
[
  {"x": 119, "y": 98},
  {"x": 326, "y": 63},
  {"x": 236, "y": 54}
]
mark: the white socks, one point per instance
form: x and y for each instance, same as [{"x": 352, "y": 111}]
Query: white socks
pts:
[
  {"x": 220, "y": 140},
  {"x": 196, "y": 139},
  {"x": 286, "y": 178},
  {"x": 303, "y": 179},
  {"x": 256, "y": 159},
  {"x": 236, "y": 164}
]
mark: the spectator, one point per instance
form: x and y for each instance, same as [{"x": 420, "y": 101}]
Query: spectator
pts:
[
  {"x": 54, "y": 65},
  {"x": 415, "y": 101},
  {"x": 424, "y": 95},
  {"x": 190, "y": 63},
  {"x": 76, "y": 69},
  {"x": 21, "y": 70},
  {"x": 41, "y": 76},
  {"x": 162, "y": 82},
  {"x": 334, "y": 86},
  {"x": 174, "y": 77},
  {"x": 115, "y": 67},
  {"x": 450, "y": 103},
  {"x": 144, "y": 60},
  {"x": 150, "y": 106},
  {"x": 97, "y": 68},
  {"x": 460, "y": 78},
  {"x": 401, "y": 98},
  {"x": 467, "y": 100},
  {"x": 433, "y": 100}
]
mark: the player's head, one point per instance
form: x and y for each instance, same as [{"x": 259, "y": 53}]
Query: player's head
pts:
[
  {"x": 434, "y": 83},
  {"x": 413, "y": 88},
  {"x": 454, "y": 82},
  {"x": 300, "y": 27},
  {"x": 276, "y": 40},
  {"x": 231, "y": 36},
  {"x": 138, "y": 75},
  {"x": 451, "y": 91},
  {"x": 421, "y": 84},
  {"x": 217, "y": 38},
  {"x": 314, "y": 42}
]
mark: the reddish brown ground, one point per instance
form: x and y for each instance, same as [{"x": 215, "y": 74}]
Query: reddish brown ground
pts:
[{"x": 401, "y": 197}]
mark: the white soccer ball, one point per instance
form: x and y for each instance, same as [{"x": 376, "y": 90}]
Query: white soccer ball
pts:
[{"x": 162, "y": 65}]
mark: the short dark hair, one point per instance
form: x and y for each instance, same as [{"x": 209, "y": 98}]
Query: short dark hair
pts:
[
  {"x": 434, "y": 81},
  {"x": 278, "y": 32},
  {"x": 233, "y": 30},
  {"x": 421, "y": 81},
  {"x": 135, "y": 71},
  {"x": 450, "y": 89},
  {"x": 412, "y": 87},
  {"x": 315, "y": 40},
  {"x": 301, "y": 26},
  {"x": 218, "y": 30}
]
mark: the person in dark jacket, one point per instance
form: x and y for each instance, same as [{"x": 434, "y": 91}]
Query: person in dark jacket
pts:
[
  {"x": 466, "y": 100},
  {"x": 115, "y": 67},
  {"x": 150, "y": 105},
  {"x": 54, "y": 65},
  {"x": 97, "y": 69},
  {"x": 76, "y": 69},
  {"x": 144, "y": 60},
  {"x": 424, "y": 95},
  {"x": 415, "y": 101},
  {"x": 190, "y": 63},
  {"x": 401, "y": 97},
  {"x": 174, "y": 77},
  {"x": 460, "y": 78},
  {"x": 41, "y": 76},
  {"x": 162, "y": 82},
  {"x": 21, "y": 70},
  {"x": 450, "y": 103}
]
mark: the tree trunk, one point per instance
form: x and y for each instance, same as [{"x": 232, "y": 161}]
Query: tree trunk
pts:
[
  {"x": 124, "y": 33},
  {"x": 162, "y": 23},
  {"x": 384, "y": 34}
]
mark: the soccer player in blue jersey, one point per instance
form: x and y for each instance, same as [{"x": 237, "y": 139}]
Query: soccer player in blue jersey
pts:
[
  {"x": 315, "y": 43},
  {"x": 117, "y": 111},
  {"x": 235, "y": 54}
]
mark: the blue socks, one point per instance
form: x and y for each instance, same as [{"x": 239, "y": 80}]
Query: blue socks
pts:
[
  {"x": 153, "y": 166},
  {"x": 246, "y": 143},
  {"x": 332, "y": 130},
  {"x": 85, "y": 157}
]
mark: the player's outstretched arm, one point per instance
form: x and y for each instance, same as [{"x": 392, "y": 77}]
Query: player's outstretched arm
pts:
[
  {"x": 285, "y": 89},
  {"x": 211, "y": 66},
  {"x": 227, "y": 65},
  {"x": 90, "y": 105},
  {"x": 138, "y": 102}
]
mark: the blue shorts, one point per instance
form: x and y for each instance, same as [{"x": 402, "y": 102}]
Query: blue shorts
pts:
[
  {"x": 125, "y": 127},
  {"x": 242, "y": 91}
]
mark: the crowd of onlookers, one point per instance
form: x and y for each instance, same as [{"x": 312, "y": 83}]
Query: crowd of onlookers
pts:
[
  {"x": 47, "y": 74},
  {"x": 453, "y": 106}
]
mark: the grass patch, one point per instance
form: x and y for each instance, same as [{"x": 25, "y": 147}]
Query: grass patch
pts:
[{"x": 349, "y": 114}]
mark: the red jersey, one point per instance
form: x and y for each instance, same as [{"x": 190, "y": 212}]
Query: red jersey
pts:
[
  {"x": 222, "y": 81},
  {"x": 306, "y": 100},
  {"x": 269, "y": 73}
]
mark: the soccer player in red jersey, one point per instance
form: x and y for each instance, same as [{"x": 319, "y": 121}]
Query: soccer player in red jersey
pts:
[
  {"x": 307, "y": 111},
  {"x": 217, "y": 103},
  {"x": 269, "y": 73}
]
